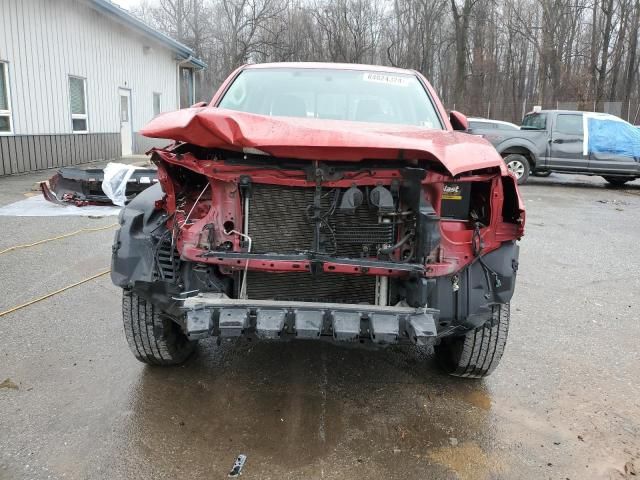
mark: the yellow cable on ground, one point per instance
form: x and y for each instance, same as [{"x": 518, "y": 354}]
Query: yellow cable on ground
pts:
[
  {"x": 82, "y": 230},
  {"x": 31, "y": 302}
]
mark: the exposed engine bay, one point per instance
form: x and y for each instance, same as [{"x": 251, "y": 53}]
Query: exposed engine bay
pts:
[
  {"x": 365, "y": 227},
  {"x": 293, "y": 233}
]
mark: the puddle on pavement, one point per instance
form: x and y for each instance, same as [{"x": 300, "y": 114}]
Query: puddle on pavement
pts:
[
  {"x": 478, "y": 398},
  {"x": 468, "y": 461},
  {"x": 291, "y": 407}
]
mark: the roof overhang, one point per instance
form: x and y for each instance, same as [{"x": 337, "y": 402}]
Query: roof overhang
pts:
[
  {"x": 191, "y": 62},
  {"x": 121, "y": 15}
]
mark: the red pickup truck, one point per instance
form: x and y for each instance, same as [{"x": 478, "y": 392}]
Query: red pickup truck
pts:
[{"x": 327, "y": 202}]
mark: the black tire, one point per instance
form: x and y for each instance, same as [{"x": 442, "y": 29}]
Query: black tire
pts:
[
  {"x": 617, "y": 181},
  {"x": 519, "y": 165},
  {"x": 152, "y": 336},
  {"x": 477, "y": 353},
  {"x": 542, "y": 173}
]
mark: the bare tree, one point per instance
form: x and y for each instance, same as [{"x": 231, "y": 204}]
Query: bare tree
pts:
[{"x": 487, "y": 57}]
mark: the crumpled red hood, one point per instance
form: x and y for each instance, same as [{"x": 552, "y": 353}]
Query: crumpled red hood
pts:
[{"x": 319, "y": 139}]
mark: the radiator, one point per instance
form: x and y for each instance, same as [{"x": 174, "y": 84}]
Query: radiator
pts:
[
  {"x": 279, "y": 223},
  {"x": 305, "y": 287}
]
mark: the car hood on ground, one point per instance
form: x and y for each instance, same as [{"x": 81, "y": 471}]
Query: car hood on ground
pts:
[{"x": 320, "y": 139}]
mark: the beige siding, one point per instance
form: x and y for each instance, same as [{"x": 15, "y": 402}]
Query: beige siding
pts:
[{"x": 45, "y": 41}]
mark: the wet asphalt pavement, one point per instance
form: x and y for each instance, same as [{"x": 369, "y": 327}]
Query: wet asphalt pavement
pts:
[{"x": 564, "y": 403}]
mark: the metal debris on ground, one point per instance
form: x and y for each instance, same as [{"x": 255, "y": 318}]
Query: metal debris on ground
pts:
[{"x": 236, "y": 470}]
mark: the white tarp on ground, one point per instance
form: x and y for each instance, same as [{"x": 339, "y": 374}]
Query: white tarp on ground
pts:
[{"x": 38, "y": 206}]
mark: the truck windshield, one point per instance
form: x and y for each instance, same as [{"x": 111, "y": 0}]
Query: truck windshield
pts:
[
  {"x": 353, "y": 95},
  {"x": 534, "y": 121}
]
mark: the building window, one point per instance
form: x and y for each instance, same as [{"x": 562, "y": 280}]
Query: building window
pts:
[
  {"x": 78, "y": 100},
  {"x": 124, "y": 109},
  {"x": 156, "y": 104},
  {"x": 5, "y": 104}
]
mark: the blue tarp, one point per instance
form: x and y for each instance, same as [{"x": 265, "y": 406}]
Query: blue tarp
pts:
[{"x": 610, "y": 135}]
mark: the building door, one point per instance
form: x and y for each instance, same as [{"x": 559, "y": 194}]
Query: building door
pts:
[{"x": 126, "y": 135}]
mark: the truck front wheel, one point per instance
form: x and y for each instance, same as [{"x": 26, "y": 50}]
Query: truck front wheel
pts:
[
  {"x": 152, "y": 335},
  {"x": 478, "y": 352},
  {"x": 519, "y": 166}
]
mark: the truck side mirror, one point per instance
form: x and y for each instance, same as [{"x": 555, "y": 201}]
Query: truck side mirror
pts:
[{"x": 458, "y": 121}]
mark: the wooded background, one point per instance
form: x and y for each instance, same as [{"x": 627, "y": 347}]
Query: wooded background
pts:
[{"x": 491, "y": 58}]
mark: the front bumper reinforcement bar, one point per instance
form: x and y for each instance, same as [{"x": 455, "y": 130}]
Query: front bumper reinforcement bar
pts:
[{"x": 220, "y": 316}]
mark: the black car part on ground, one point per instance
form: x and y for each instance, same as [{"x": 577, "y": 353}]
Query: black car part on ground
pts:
[{"x": 81, "y": 187}]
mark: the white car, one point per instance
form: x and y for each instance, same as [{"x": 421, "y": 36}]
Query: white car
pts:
[{"x": 486, "y": 124}]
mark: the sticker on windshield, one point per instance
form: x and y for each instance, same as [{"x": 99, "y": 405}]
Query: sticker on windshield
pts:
[{"x": 386, "y": 78}]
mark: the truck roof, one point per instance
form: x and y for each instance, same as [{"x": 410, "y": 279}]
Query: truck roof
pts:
[{"x": 559, "y": 111}]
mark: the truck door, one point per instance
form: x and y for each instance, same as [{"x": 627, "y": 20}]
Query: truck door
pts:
[{"x": 566, "y": 143}]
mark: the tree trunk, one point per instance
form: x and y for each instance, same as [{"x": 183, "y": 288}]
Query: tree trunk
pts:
[
  {"x": 461, "y": 20},
  {"x": 594, "y": 48},
  {"x": 632, "y": 64},
  {"x": 607, "y": 10}
]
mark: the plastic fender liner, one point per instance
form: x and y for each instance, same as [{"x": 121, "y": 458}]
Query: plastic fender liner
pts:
[
  {"x": 132, "y": 258},
  {"x": 466, "y": 298}
]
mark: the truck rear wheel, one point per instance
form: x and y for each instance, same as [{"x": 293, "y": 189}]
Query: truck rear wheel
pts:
[
  {"x": 477, "y": 353},
  {"x": 519, "y": 166},
  {"x": 152, "y": 335}
]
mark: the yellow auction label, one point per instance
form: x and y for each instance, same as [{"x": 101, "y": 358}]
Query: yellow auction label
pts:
[{"x": 451, "y": 191}]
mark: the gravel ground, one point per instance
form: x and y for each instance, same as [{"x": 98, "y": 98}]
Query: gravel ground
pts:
[{"x": 565, "y": 402}]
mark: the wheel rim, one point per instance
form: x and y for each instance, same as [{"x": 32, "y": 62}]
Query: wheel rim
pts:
[{"x": 516, "y": 167}]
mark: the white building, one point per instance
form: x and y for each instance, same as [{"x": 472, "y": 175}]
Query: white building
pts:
[{"x": 79, "y": 78}]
